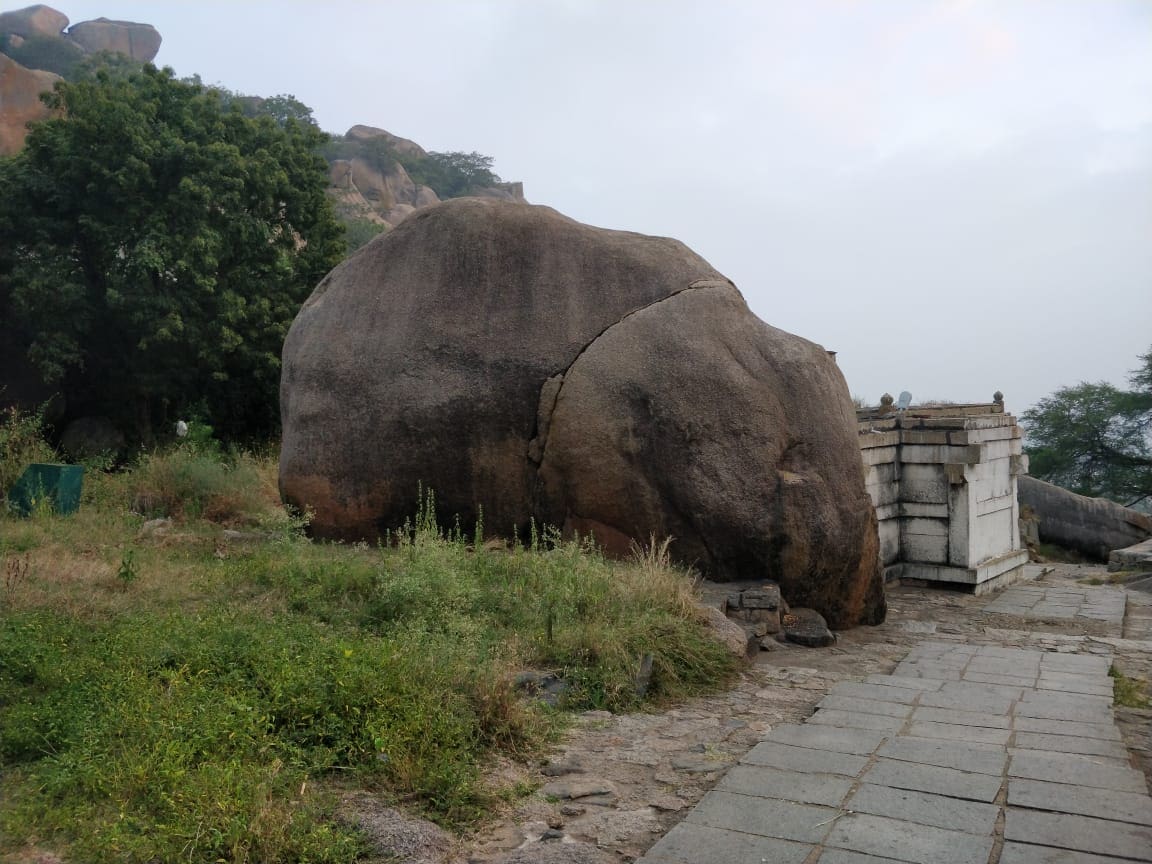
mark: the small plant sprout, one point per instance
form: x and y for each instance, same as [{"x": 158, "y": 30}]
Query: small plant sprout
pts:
[{"x": 127, "y": 574}]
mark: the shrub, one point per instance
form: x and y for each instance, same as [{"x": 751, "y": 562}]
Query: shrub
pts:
[
  {"x": 22, "y": 442},
  {"x": 561, "y": 606},
  {"x": 194, "y": 483}
]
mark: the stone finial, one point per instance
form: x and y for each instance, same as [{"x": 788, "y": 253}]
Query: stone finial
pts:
[{"x": 998, "y": 398}]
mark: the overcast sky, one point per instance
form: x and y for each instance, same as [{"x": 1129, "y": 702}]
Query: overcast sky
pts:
[{"x": 955, "y": 195}]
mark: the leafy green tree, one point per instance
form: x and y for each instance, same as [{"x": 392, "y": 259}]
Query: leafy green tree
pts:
[
  {"x": 453, "y": 174},
  {"x": 157, "y": 246},
  {"x": 359, "y": 231},
  {"x": 281, "y": 108},
  {"x": 1096, "y": 439}
]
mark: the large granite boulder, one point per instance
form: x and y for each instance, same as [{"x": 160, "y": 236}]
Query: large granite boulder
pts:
[
  {"x": 1091, "y": 526},
  {"x": 141, "y": 42},
  {"x": 33, "y": 21},
  {"x": 607, "y": 382},
  {"x": 20, "y": 102}
]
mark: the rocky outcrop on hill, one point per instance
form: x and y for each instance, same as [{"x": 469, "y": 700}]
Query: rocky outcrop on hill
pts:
[
  {"x": 40, "y": 44},
  {"x": 608, "y": 382},
  {"x": 361, "y": 189},
  {"x": 400, "y": 145},
  {"x": 37, "y": 36},
  {"x": 20, "y": 103},
  {"x": 141, "y": 42},
  {"x": 1091, "y": 526}
]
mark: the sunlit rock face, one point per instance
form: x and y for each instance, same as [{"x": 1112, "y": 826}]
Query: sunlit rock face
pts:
[
  {"x": 20, "y": 103},
  {"x": 605, "y": 382}
]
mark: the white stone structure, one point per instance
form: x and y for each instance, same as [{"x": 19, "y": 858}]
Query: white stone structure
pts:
[{"x": 943, "y": 481}]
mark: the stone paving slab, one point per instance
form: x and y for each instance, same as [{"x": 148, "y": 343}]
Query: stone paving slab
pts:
[
  {"x": 1080, "y": 833},
  {"x": 1086, "y": 664},
  {"x": 922, "y": 844},
  {"x": 857, "y": 742},
  {"x": 989, "y": 704},
  {"x": 1119, "y": 759},
  {"x": 843, "y": 856},
  {"x": 957, "y": 732},
  {"x": 999, "y": 678},
  {"x": 961, "y": 755},
  {"x": 768, "y": 817},
  {"x": 1070, "y": 744},
  {"x": 1076, "y": 770},
  {"x": 856, "y": 720},
  {"x": 934, "y": 779},
  {"x": 969, "y": 754},
  {"x": 877, "y": 692},
  {"x": 693, "y": 844},
  {"x": 864, "y": 706},
  {"x": 776, "y": 755},
  {"x": 1023, "y": 853},
  {"x": 908, "y": 683},
  {"x": 1065, "y": 798},
  {"x": 798, "y": 786},
  {"x": 923, "y": 808},
  {"x": 962, "y": 718},
  {"x": 1067, "y": 683},
  {"x": 1105, "y": 731}
]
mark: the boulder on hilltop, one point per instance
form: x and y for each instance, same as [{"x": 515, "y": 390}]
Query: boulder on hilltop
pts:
[
  {"x": 612, "y": 383},
  {"x": 33, "y": 21},
  {"x": 141, "y": 42}
]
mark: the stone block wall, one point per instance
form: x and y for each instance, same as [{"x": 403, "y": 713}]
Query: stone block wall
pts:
[{"x": 943, "y": 481}]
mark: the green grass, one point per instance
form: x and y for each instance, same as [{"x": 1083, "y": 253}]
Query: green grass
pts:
[
  {"x": 179, "y": 697},
  {"x": 1117, "y": 578},
  {"x": 1050, "y": 552},
  {"x": 1128, "y": 692}
]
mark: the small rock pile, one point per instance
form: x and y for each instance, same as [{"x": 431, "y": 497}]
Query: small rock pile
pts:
[{"x": 767, "y": 618}]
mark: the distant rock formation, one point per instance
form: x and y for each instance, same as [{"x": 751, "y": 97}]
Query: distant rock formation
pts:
[
  {"x": 362, "y": 191},
  {"x": 611, "y": 383},
  {"x": 39, "y": 32}
]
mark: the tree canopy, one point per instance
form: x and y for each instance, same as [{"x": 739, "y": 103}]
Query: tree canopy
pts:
[
  {"x": 453, "y": 174},
  {"x": 158, "y": 244},
  {"x": 1096, "y": 439}
]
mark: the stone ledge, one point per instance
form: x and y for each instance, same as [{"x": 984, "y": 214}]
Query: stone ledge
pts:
[
  {"x": 986, "y": 576},
  {"x": 1135, "y": 557}
]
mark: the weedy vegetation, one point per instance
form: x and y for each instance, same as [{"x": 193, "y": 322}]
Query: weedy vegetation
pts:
[
  {"x": 208, "y": 688},
  {"x": 1128, "y": 692}
]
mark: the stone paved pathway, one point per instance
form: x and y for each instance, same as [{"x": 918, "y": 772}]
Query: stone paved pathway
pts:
[
  {"x": 966, "y": 754},
  {"x": 1064, "y": 602}
]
